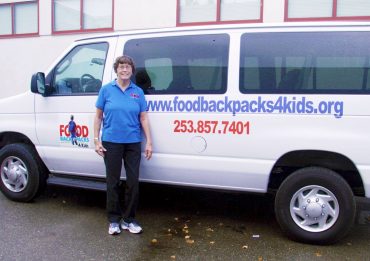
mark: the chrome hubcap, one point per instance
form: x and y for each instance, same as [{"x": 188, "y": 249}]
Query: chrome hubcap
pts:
[
  {"x": 314, "y": 208},
  {"x": 14, "y": 174}
]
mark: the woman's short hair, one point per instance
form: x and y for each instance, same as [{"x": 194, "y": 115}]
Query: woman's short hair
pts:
[{"x": 124, "y": 59}]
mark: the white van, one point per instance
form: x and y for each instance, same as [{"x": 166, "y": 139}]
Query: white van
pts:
[{"x": 257, "y": 108}]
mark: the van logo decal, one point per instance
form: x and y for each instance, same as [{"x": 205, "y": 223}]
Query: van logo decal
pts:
[{"x": 74, "y": 134}]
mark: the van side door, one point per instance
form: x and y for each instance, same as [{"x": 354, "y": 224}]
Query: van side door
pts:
[
  {"x": 185, "y": 78},
  {"x": 65, "y": 118}
]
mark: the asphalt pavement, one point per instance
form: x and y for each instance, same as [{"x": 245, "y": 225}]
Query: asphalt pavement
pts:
[{"x": 178, "y": 223}]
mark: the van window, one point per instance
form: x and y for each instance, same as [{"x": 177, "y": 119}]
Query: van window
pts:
[
  {"x": 180, "y": 64},
  {"x": 312, "y": 62},
  {"x": 160, "y": 71},
  {"x": 81, "y": 71}
]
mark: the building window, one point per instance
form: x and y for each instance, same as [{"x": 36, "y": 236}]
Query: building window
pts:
[
  {"x": 303, "y": 10},
  {"x": 198, "y": 12},
  {"x": 82, "y": 15},
  {"x": 19, "y": 19}
]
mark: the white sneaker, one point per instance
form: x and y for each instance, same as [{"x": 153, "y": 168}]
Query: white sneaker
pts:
[
  {"x": 114, "y": 229},
  {"x": 133, "y": 227}
]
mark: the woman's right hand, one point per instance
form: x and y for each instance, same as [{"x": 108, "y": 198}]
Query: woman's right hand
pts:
[{"x": 99, "y": 148}]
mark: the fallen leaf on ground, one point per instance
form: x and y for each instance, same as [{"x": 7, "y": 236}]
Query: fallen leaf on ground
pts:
[
  {"x": 190, "y": 241},
  {"x": 154, "y": 241},
  {"x": 187, "y": 237},
  {"x": 245, "y": 247},
  {"x": 209, "y": 229},
  {"x": 212, "y": 242},
  {"x": 173, "y": 257},
  {"x": 318, "y": 254}
]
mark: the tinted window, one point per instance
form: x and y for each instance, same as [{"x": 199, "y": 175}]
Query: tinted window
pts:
[
  {"x": 180, "y": 64},
  {"x": 81, "y": 71},
  {"x": 336, "y": 62}
]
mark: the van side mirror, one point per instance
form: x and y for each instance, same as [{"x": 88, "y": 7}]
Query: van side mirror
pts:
[{"x": 38, "y": 83}]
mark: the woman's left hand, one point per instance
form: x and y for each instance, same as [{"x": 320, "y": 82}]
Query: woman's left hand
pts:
[{"x": 148, "y": 151}]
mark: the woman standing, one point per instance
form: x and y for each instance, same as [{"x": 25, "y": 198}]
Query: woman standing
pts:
[{"x": 121, "y": 107}]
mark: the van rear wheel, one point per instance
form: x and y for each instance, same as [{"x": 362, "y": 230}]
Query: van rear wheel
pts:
[
  {"x": 21, "y": 176},
  {"x": 315, "y": 205}
]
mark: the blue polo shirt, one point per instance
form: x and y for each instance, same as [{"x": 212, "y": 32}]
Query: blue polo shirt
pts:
[{"x": 121, "y": 112}]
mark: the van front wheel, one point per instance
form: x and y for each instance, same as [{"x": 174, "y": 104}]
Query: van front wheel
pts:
[
  {"x": 20, "y": 174},
  {"x": 315, "y": 205}
]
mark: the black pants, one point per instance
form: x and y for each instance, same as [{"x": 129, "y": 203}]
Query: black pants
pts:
[{"x": 130, "y": 153}]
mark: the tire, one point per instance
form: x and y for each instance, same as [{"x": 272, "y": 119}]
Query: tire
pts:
[
  {"x": 315, "y": 205},
  {"x": 20, "y": 174}
]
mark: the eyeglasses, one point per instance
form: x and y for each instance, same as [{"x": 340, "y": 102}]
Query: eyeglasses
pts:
[{"x": 124, "y": 66}]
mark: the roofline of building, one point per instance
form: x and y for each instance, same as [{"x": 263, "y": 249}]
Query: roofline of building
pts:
[{"x": 229, "y": 26}]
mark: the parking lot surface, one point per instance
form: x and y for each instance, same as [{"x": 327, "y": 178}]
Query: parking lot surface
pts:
[{"x": 179, "y": 224}]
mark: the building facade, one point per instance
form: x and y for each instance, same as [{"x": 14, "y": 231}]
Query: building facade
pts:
[{"x": 33, "y": 33}]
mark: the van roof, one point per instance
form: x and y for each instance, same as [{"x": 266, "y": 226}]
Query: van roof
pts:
[{"x": 231, "y": 26}]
